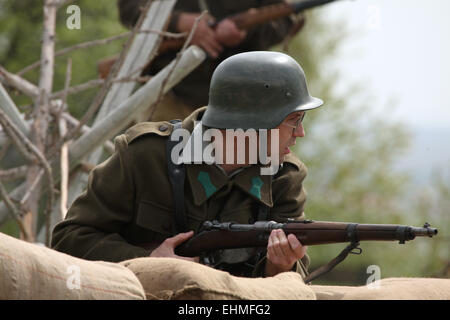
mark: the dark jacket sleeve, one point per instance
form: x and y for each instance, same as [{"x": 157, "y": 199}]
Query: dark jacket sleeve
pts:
[
  {"x": 259, "y": 38},
  {"x": 130, "y": 10},
  {"x": 269, "y": 34},
  {"x": 93, "y": 223}
]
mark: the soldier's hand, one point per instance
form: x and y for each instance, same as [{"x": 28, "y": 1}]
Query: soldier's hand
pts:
[
  {"x": 204, "y": 35},
  {"x": 228, "y": 33},
  {"x": 282, "y": 252},
  {"x": 167, "y": 248}
]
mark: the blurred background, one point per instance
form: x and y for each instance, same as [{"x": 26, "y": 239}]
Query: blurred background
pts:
[{"x": 377, "y": 152}]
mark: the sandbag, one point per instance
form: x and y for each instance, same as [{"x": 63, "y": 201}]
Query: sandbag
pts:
[
  {"x": 388, "y": 289},
  {"x": 29, "y": 271},
  {"x": 176, "y": 279}
]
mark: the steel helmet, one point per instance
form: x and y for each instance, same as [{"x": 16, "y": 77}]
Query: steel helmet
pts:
[{"x": 258, "y": 90}]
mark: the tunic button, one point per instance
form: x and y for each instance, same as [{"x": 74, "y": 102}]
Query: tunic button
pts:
[{"x": 163, "y": 128}]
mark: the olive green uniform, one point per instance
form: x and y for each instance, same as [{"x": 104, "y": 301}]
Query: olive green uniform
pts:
[{"x": 129, "y": 199}]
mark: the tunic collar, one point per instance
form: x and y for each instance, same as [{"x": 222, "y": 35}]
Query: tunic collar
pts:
[{"x": 207, "y": 179}]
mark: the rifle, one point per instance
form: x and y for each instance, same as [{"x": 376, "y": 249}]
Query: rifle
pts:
[
  {"x": 243, "y": 20},
  {"x": 229, "y": 235},
  {"x": 251, "y": 18}
]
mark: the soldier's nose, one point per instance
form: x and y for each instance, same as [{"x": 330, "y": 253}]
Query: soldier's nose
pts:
[{"x": 299, "y": 131}]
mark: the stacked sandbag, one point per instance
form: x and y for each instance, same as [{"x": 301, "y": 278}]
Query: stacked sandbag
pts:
[
  {"x": 389, "y": 289},
  {"x": 176, "y": 279},
  {"x": 29, "y": 271}
]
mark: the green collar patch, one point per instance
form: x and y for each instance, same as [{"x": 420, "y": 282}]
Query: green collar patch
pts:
[
  {"x": 205, "y": 180},
  {"x": 255, "y": 189}
]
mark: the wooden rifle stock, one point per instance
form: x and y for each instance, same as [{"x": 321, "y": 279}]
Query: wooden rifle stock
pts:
[
  {"x": 243, "y": 20},
  {"x": 217, "y": 236}
]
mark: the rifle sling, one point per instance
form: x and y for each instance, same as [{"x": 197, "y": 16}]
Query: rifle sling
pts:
[
  {"x": 333, "y": 263},
  {"x": 177, "y": 173},
  {"x": 263, "y": 212}
]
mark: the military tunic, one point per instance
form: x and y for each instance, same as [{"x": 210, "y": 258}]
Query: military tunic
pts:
[{"x": 129, "y": 199}]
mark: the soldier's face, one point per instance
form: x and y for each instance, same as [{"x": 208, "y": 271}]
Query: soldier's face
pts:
[
  {"x": 277, "y": 140},
  {"x": 288, "y": 131}
]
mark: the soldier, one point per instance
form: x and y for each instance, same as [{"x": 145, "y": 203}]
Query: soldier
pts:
[
  {"x": 220, "y": 43},
  {"x": 141, "y": 195}
]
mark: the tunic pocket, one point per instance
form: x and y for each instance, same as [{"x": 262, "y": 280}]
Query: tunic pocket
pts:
[{"x": 155, "y": 217}]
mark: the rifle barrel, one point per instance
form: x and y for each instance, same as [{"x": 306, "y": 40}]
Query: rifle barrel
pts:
[{"x": 424, "y": 232}]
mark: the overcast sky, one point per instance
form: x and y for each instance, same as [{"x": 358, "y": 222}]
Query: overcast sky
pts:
[{"x": 401, "y": 49}]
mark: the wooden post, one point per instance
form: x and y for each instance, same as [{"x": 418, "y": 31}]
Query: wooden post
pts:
[
  {"x": 141, "y": 49},
  {"x": 42, "y": 110}
]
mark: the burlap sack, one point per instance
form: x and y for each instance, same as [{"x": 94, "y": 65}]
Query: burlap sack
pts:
[
  {"x": 389, "y": 289},
  {"x": 169, "y": 278},
  {"x": 29, "y": 271}
]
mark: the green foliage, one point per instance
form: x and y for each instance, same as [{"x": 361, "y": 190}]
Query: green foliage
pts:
[
  {"x": 21, "y": 30},
  {"x": 10, "y": 228}
]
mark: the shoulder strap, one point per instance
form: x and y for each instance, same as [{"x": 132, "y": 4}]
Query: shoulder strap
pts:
[
  {"x": 176, "y": 174},
  {"x": 263, "y": 212}
]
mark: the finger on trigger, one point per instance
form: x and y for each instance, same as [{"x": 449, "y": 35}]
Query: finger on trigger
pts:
[
  {"x": 181, "y": 237},
  {"x": 193, "y": 259}
]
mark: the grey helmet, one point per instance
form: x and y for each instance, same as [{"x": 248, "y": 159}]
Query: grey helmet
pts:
[{"x": 258, "y": 90}]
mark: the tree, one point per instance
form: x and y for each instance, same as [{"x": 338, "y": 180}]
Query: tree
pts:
[{"x": 44, "y": 141}]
